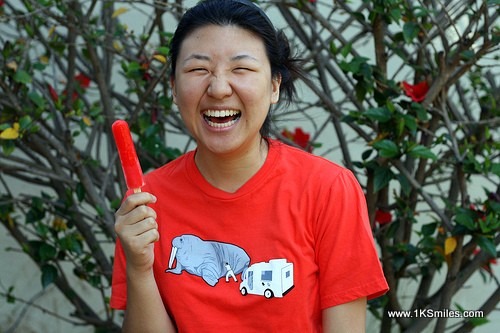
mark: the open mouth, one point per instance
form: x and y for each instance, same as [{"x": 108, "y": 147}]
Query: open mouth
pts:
[{"x": 221, "y": 118}]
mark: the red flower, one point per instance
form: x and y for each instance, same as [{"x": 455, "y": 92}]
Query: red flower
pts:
[
  {"x": 147, "y": 77},
  {"x": 52, "y": 91},
  {"x": 300, "y": 137},
  {"x": 83, "y": 80},
  {"x": 154, "y": 115},
  {"x": 2, "y": 2},
  {"x": 487, "y": 266},
  {"x": 416, "y": 92},
  {"x": 481, "y": 214},
  {"x": 383, "y": 217}
]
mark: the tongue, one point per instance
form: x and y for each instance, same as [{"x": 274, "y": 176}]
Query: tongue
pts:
[{"x": 221, "y": 120}]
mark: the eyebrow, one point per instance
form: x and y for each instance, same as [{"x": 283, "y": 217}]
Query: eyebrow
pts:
[
  {"x": 244, "y": 56},
  {"x": 203, "y": 57},
  {"x": 197, "y": 56}
]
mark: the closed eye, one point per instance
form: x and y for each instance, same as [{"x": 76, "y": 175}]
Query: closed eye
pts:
[
  {"x": 198, "y": 69},
  {"x": 243, "y": 69}
]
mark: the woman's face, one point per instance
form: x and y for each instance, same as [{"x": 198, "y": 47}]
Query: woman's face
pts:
[{"x": 223, "y": 88}]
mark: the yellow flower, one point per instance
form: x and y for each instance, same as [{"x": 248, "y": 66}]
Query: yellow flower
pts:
[
  {"x": 117, "y": 46},
  {"x": 450, "y": 244},
  {"x": 160, "y": 58},
  {"x": 119, "y": 11},
  {"x": 10, "y": 133},
  {"x": 87, "y": 121}
]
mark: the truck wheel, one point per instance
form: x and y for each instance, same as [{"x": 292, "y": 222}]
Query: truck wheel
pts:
[
  {"x": 244, "y": 291},
  {"x": 268, "y": 293}
]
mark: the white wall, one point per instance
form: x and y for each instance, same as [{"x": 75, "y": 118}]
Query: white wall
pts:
[{"x": 17, "y": 270}]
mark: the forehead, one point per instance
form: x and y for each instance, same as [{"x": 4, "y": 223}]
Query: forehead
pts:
[{"x": 226, "y": 38}]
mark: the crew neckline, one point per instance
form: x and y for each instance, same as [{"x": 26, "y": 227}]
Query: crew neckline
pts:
[{"x": 253, "y": 183}]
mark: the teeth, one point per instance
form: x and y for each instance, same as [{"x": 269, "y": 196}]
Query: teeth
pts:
[
  {"x": 222, "y": 125},
  {"x": 220, "y": 113}
]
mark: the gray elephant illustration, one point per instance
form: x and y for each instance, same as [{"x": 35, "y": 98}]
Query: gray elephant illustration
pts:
[{"x": 207, "y": 259}]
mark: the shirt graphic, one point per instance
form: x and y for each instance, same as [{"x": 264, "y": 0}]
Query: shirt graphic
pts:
[{"x": 212, "y": 260}]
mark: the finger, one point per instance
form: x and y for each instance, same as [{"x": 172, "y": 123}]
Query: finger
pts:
[
  {"x": 139, "y": 213},
  {"x": 139, "y": 243},
  {"x": 138, "y": 221},
  {"x": 141, "y": 227},
  {"x": 151, "y": 236},
  {"x": 134, "y": 200}
]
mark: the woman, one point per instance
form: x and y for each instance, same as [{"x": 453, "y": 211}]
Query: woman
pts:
[{"x": 244, "y": 232}]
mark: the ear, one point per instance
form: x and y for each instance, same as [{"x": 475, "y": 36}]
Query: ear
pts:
[
  {"x": 276, "y": 83},
  {"x": 172, "y": 85}
]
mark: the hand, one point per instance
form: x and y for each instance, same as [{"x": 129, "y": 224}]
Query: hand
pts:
[{"x": 135, "y": 225}]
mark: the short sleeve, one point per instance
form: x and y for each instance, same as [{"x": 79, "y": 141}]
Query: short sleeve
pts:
[{"x": 349, "y": 267}]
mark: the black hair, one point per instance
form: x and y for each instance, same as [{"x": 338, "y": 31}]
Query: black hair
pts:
[{"x": 247, "y": 15}]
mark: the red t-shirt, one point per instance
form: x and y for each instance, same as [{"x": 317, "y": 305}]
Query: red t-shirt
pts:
[{"x": 295, "y": 238}]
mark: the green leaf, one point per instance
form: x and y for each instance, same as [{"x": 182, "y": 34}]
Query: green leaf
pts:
[
  {"x": 71, "y": 243},
  {"x": 410, "y": 31},
  {"x": 386, "y": 148},
  {"x": 495, "y": 168},
  {"x": 8, "y": 147},
  {"x": 467, "y": 55},
  {"x": 22, "y": 77},
  {"x": 410, "y": 123},
  {"x": 47, "y": 252},
  {"x": 366, "y": 154},
  {"x": 163, "y": 50},
  {"x": 395, "y": 14},
  {"x": 478, "y": 321},
  {"x": 80, "y": 191},
  {"x": 10, "y": 296},
  {"x": 404, "y": 183},
  {"x": 346, "y": 50},
  {"x": 400, "y": 126},
  {"x": 49, "y": 275},
  {"x": 487, "y": 244},
  {"x": 420, "y": 111},
  {"x": 38, "y": 100},
  {"x": 465, "y": 217},
  {"x": 333, "y": 48},
  {"x": 25, "y": 122},
  {"x": 420, "y": 151},
  {"x": 354, "y": 66},
  {"x": 429, "y": 229},
  {"x": 361, "y": 90},
  {"x": 381, "y": 114},
  {"x": 393, "y": 228},
  {"x": 382, "y": 177}
]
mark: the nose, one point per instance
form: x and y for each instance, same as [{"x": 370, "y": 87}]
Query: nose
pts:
[{"x": 219, "y": 87}]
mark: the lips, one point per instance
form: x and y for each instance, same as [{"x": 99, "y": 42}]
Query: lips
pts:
[{"x": 221, "y": 118}]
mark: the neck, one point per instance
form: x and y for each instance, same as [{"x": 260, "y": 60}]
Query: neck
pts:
[{"x": 230, "y": 172}]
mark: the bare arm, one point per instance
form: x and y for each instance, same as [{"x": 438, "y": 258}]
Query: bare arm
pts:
[
  {"x": 349, "y": 317},
  {"x": 135, "y": 224},
  {"x": 145, "y": 310}
]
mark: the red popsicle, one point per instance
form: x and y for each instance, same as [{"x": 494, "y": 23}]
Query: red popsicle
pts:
[{"x": 128, "y": 157}]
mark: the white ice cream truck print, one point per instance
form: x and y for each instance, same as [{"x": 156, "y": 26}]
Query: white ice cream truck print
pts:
[{"x": 270, "y": 279}]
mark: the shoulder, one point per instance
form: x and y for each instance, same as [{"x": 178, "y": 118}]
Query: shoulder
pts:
[
  {"x": 171, "y": 170},
  {"x": 314, "y": 174},
  {"x": 303, "y": 162}
]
